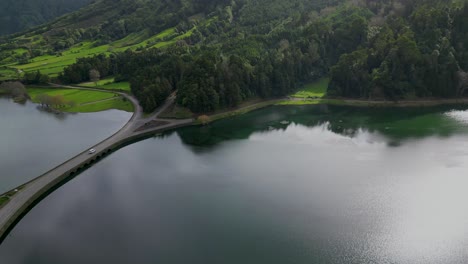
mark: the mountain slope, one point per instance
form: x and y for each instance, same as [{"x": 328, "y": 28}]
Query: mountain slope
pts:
[
  {"x": 107, "y": 26},
  {"x": 19, "y": 15},
  {"x": 219, "y": 53}
]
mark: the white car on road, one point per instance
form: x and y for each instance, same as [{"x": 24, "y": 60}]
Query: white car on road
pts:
[{"x": 91, "y": 151}]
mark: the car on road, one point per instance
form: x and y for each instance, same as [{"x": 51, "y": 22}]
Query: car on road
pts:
[{"x": 91, "y": 151}]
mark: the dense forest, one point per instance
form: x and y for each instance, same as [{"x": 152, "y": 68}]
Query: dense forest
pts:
[
  {"x": 412, "y": 49},
  {"x": 19, "y": 15},
  {"x": 236, "y": 50}
]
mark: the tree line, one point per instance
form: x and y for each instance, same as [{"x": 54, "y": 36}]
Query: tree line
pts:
[{"x": 380, "y": 49}]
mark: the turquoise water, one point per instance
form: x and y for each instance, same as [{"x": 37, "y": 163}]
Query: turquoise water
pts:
[{"x": 312, "y": 184}]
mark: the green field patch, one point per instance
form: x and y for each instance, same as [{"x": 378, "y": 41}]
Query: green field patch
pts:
[
  {"x": 118, "y": 103},
  {"x": 154, "y": 40},
  {"x": 7, "y": 73},
  {"x": 166, "y": 33},
  {"x": 316, "y": 89},
  {"x": 75, "y": 95},
  {"x": 186, "y": 34},
  {"x": 131, "y": 39},
  {"x": 54, "y": 64},
  {"x": 299, "y": 102},
  {"x": 163, "y": 44},
  {"x": 124, "y": 86},
  {"x": 99, "y": 84},
  {"x": 84, "y": 101},
  {"x": 161, "y": 36},
  {"x": 108, "y": 83}
]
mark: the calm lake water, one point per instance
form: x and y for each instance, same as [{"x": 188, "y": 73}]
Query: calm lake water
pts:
[
  {"x": 33, "y": 142},
  {"x": 329, "y": 185}
]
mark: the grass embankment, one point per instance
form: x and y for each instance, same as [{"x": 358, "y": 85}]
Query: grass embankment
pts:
[
  {"x": 314, "y": 90},
  {"x": 108, "y": 84},
  {"x": 314, "y": 93},
  {"x": 83, "y": 101}
]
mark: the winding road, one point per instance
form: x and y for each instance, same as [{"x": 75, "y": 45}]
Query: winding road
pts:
[{"x": 138, "y": 126}]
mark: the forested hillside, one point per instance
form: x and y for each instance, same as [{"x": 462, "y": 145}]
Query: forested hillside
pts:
[
  {"x": 412, "y": 49},
  {"x": 217, "y": 54},
  {"x": 19, "y": 15}
]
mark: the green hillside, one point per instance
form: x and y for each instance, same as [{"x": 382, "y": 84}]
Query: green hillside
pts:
[
  {"x": 103, "y": 27},
  {"x": 217, "y": 54},
  {"x": 109, "y": 26}
]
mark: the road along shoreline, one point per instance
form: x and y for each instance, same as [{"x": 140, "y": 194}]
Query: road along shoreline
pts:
[{"x": 29, "y": 194}]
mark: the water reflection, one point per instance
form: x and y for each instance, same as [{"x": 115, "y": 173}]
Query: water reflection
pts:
[
  {"x": 300, "y": 193},
  {"x": 396, "y": 124},
  {"x": 33, "y": 141}
]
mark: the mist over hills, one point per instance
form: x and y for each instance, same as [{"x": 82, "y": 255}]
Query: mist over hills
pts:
[{"x": 19, "y": 15}]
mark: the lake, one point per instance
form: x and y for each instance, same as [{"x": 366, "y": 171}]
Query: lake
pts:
[
  {"x": 33, "y": 141},
  {"x": 296, "y": 184}
]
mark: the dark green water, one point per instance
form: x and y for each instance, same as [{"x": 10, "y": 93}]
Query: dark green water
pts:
[
  {"x": 335, "y": 185},
  {"x": 33, "y": 142}
]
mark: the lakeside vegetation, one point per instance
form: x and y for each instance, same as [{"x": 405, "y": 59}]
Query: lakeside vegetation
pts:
[
  {"x": 75, "y": 100},
  {"x": 15, "y": 90}
]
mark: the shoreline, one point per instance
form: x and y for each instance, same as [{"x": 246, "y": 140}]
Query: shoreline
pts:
[
  {"x": 259, "y": 104},
  {"x": 245, "y": 108},
  {"x": 423, "y": 102}
]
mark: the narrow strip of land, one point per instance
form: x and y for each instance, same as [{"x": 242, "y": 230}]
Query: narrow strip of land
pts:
[{"x": 22, "y": 199}]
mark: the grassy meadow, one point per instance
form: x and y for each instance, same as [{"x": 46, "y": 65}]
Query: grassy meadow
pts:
[
  {"x": 118, "y": 103},
  {"x": 83, "y": 101}
]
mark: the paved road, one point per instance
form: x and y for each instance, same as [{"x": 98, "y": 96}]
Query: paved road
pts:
[{"x": 34, "y": 190}]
